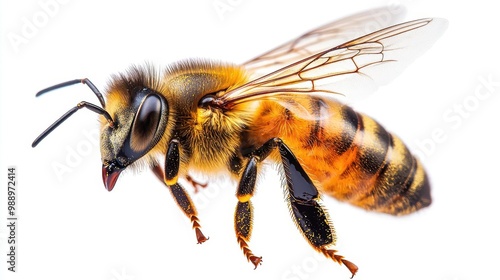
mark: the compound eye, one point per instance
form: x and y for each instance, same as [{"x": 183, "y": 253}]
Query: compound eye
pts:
[{"x": 145, "y": 125}]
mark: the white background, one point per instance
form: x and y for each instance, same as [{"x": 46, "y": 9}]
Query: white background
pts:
[{"x": 70, "y": 227}]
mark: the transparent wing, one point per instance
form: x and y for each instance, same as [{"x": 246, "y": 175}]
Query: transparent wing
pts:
[
  {"x": 326, "y": 37},
  {"x": 356, "y": 67}
]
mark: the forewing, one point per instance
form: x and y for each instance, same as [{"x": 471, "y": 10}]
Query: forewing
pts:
[
  {"x": 325, "y": 37},
  {"x": 353, "y": 68}
]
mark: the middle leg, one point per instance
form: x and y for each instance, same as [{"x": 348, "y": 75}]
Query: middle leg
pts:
[
  {"x": 243, "y": 216},
  {"x": 302, "y": 196}
]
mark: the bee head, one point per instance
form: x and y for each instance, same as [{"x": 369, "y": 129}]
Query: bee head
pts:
[
  {"x": 136, "y": 131},
  {"x": 133, "y": 121},
  {"x": 140, "y": 115}
]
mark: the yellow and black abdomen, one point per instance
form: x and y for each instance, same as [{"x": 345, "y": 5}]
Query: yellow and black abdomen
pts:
[
  {"x": 380, "y": 173},
  {"x": 349, "y": 155}
]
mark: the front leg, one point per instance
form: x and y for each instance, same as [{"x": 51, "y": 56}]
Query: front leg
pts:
[
  {"x": 302, "y": 197},
  {"x": 169, "y": 178}
]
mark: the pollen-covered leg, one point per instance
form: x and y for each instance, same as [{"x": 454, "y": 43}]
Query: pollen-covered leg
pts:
[
  {"x": 313, "y": 222},
  {"x": 310, "y": 217},
  {"x": 243, "y": 227},
  {"x": 302, "y": 196},
  {"x": 186, "y": 204},
  {"x": 243, "y": 216},
  {"x": 169, "y": 177}
]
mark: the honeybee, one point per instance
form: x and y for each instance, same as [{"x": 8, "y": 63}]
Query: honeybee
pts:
[{"x": 214, "y": 117}]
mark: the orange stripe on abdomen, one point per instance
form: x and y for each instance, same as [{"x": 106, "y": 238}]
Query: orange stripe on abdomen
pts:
[
  {"x": 382, "y": 176},
  {"x": 348, "y": 154}
]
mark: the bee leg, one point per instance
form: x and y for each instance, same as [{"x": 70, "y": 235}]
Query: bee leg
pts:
[
  {"x": 169, "y": 177},
  {"x": 243, "y": 225},
  {"x": 196, "y": 185},
  {"x": 313, "y": 221},
  {"x": 243, "y": 215},
  {"x": 302, "y": 196},
  {"x": 311, "y": 218}
]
